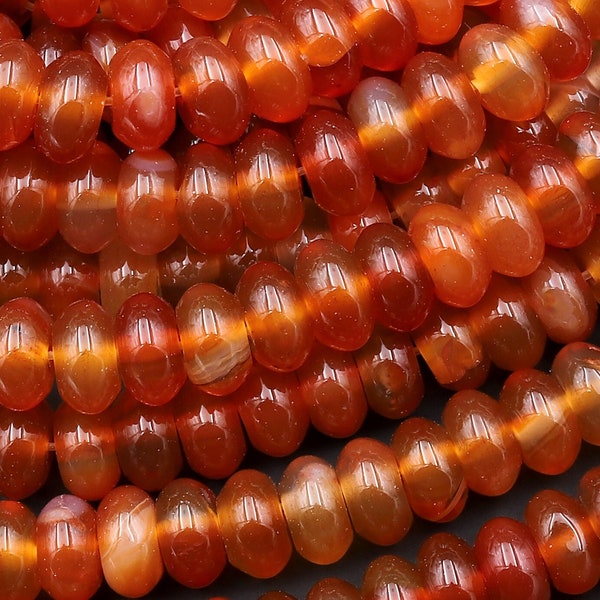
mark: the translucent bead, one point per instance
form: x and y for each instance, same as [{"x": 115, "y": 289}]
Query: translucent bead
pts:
[
  {"x": 340, "y": 78},
  {"x": 437, "y": 20},
  {"x": 51, "y": 42},
  {"x": 86, "y": 452},
  {"x": 585, "y": 9},
  {"x": 510, "y": 561},
  {"x": 445, "y": 103},
  {"x": 332, "y": 588},
  {"x": 68, "y": 559},
  {"x": 388, "y": 128},
  {"x": 390, "y": 576},
  {"x": 128, "y": 542},
  {"x": 337, "y": 294},
  {"x": 189, "y": 537},
  {"x": 315, "y": 511},
  {"x": 252, "y": 524},
  {"x": 213, "y": 336},
  {"x": 103, "y": 39},
  {"x": 24, "y": 450},
  {"x": 214, "y": 102},
  {"x": 9, "y": 30},
  {"x": 208, "y": 208},
  {"x": 19, "y": 273},
  {"x": 335, "y": 164},
  {"x": 508, "y": 73},
  {"x": 143, "y": 95},
  {"x": 572, "y": 96},
  {"x": 278, "y": 78},
  {"x": 432, "y": 475},
  {"x": 278, "y": 322},
  {"x": 150, "y": 355},
  {"x": 541, "y": 420},
  {"x": 18, "y": 552},
  {"x": 370, "y": 480},
  {"x": 21, "y": 72},
  {"x": 332, "y": 390},
  {"x": 211, "y": 10},
  {"x": 138, "y": 15},
  {"x": 589, "y": 496}
]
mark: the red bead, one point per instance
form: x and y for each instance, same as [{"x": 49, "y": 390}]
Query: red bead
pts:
[
  {"x": 103, "y": 39},
  {"x": 51, "y": 42},
  {"x": 392, "y": 577},
  {"x": 437, "y": 20},
  {"x": 340, "y": 78},
  {"x": 211, "y": 10},
  {"x": 332, "y": 588},
  {"x": 138, "y": 15},
  {"x": 19, "y": 273},
  {"x": 9, "y": 30}
]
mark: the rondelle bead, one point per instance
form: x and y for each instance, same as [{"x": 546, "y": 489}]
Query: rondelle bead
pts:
[
  {"x": 51, "y": 41},
  {"x": 70, "y": 13},
  {"x": 508, "y": 73},
  {"x": 213, "y": 102},
  {"x": 337, "y": 294},
  {"x": 18, "y": 552},
  {"x": 333, "y": 588},
  {"x": 510, "y": 561},
  {"x": 335, "y": 163},
  {"x": 438, "y": 21},
  {"x": 213, "y": 337},
  {"x": 19, "y": 273},
  {"x": 127, "y": 540},
  {"x": 9, "y": 30},
  {"x": 589, "y": 496},
  {"x": 315, "y": 511},
  {"x": 67, "y": 549},
  {"x": 103, "y": 38},
  {"x": 21, "y": 72},
  {"x": 150, "y": 354},
  {"x": 572, "y": 96},
  {"x": 390, "y": 576},
  {"x": 143, "y": 95},
  {"x": 86, "y": 455},
  {"x": 340, "y": 78},
  {"x": 138, "y": 15},
  {"x": 251, "y": 520},
  {"x": 370, "y": 480},
  {"x": 278, "y": 78},
  {"x": 279, "y": 324},
  {"x": 210, "y": 10}
]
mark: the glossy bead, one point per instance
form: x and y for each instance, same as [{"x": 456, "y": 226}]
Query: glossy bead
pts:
[
  {"x": 586, "y": 11},
  {"x": 508, "y": 227},
  {"x": 315, "y": 511},
  {"x": 70, "y": 13},
  {"x": 508, "y": 73},
  {"x": 138, "y": 15},
  {"x": 21, "y": 72},
  {"x": 128, "y": 542},
  {"x": 568, "y": 97},
  {"x": 191, "y": 544},
  {"x": 24, "y": 450},
  {"x": 19, "y": 273},
  {"x": 103, "y": 38},
  {"x": 18, "y": 552},
  {"x": 214, "y": 102},
  {"x": 392, "y": 577},
  {"x": 437, "y": 20},
  {"x": 432, "y": 475},
  {"x": 214, "y": 339},
  {"x": 252, "y": 524},
  {"x": 211, "y": 10},
  {"x": 332, "y": 588},
  {"x": 340, "y": 78},
  {"x": 589, "y": 496},
  {"x": 143, "y": 95},
  {"x": 541, "y": 420},
  {"x": 150, "y": 355},
  {"x": 68, "y": 559},
  {"x": 279, "y": 324},
  {"x": 373, "y": 491},
  {"x": 510, "y": 561},
  {"x": 586, "y": 258},
  {"x": 86, "y": 452},
  {"x": 51, "y": 41},
  {"x": 335, "y": 163},
  {"x": 278, "y": 78},
  {"x": 9, "y": 30}
]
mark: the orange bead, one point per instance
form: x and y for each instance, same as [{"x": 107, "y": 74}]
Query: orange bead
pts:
[
  {"x": 51, "y": 41},
  {"x": 332, "y": 588},
  {"x": 340, "y": 78},
  {"x": 572, "y": 96},
  {"x": 103, "y": 39},
  {"x": 9, "y": 30},
  {"x": 19, "y": 273},
  {"x": 585, "y": 9},
  {"x": 589, "y": 496},
  {"x": 70, "y": 13},
  {"x": 211, "y": 10},
  {"x": 389, "y": 576},
  {"x": 138, "y": 15},
  {"x": 437, "y": 20}
]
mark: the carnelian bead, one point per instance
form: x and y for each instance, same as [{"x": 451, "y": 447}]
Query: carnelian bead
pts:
[
  {"x": 315, "y": 511},
  {"x": 508, "y": 73},
  {"x": 340, "y": 78},
  {"x": 432, "y": 475},
  {"x": 85, "y": 357},
  {"x": 51, "y": 42},
  {"x": 370, "y": 480},
  {"x": 86, "y": 452},
  {"x": 332, "y": 390},
  {"x": 214, "y": 339},
  {"x": 337, "y": 294},
  {"x": 87, "y": 199},
  {"x": 143, "y": 95},
  {"x": 483, "y": 442},
  {"x": 214, "y": 102},
  {"x": 390, "y": 374},
  {"x": 278, "y": 322},
  {"x": 568, "y": 97},
  {"x": 208, "y": 209},
  {"x": 24, "y": 450},
  {"x": 332, "y": 588},
  {"x": 589, "y": 496},
  {"x": 437, "y": 20},
  {"x": 278, "y": 78},
  {"x": 585, "y": 9},
  {"x": 138, "y": 15},
  {"x": 150, "y": 355},
  {"x": 70, "y": 13},
  {"x": 211, "y": 10},
  {"x": 452, "y": 253},
  {"x": 272, "y": 411},
  {"x": 586, "y": 257},
  {"x": 189, "y": 537},
  {"x": 21, "y": 72},
  {"x": 335, "y": 163},
  {"x": 127, "y": 540},
  {"x": 388, "y": 128},
  {"x": 542, "y": 421},
  {"x": 103, "y": 39},
  {"x": 510, "y": 230},
  {"x": 392, "y": 577},
  {"x": 68, "y": 558},
  {"x": 18, "y": 552},
  {"x": 252, "y": 524},
  {"x": 9, "y": 30},
  {"x": 210, "y": 432},
  {"x": 19, "y": 273},
  {"x": 510, "y": 561},
  {"x": 445, "y": 103}
]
